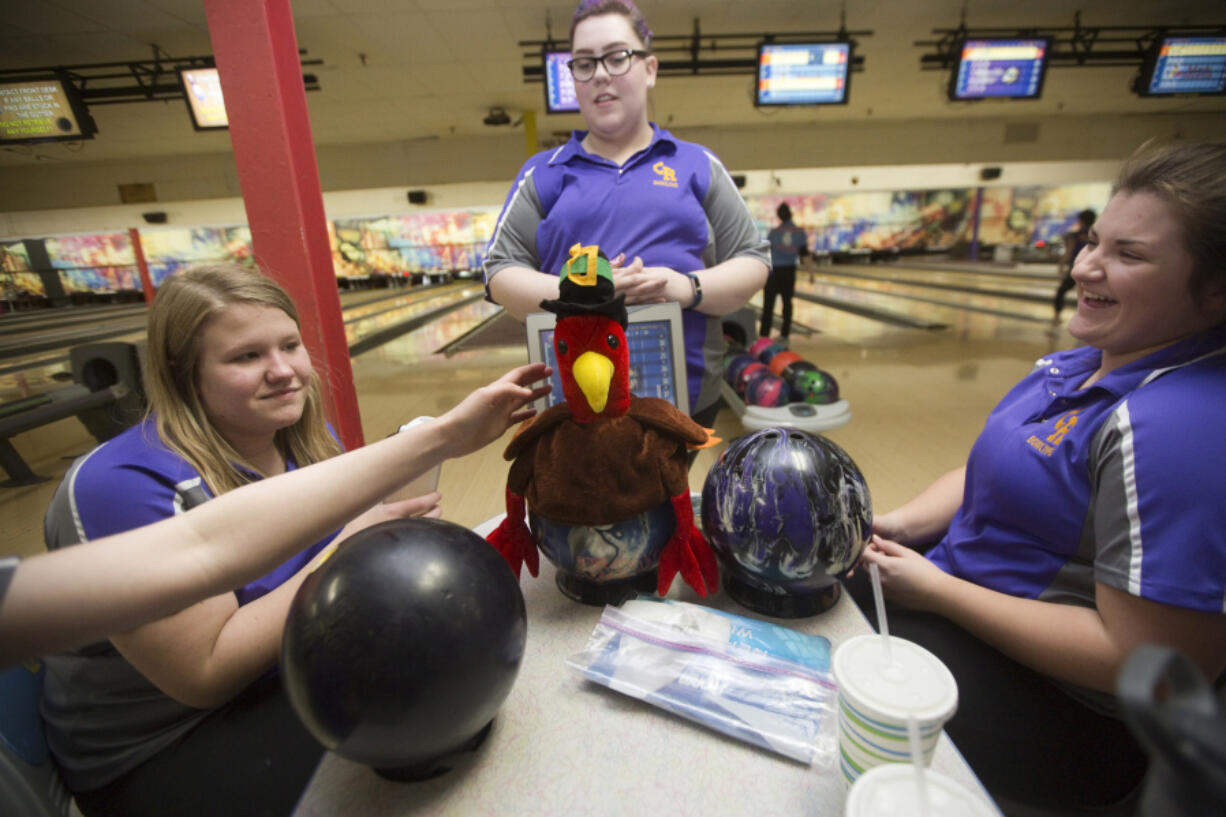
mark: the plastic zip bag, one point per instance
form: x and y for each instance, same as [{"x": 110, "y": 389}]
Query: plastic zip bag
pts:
[{"x": 740, "y": 676}]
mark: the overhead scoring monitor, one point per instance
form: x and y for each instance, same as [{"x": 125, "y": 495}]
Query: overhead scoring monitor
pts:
[
  {"x": 1184, "y": 65},
  {"x": 1010, "y": 68},
  {"x": 202, "y": 88},
  {"x": 559, "y": 84},
  {"x": 42, "y": 109},
  {"x": 803, "y": 73}
]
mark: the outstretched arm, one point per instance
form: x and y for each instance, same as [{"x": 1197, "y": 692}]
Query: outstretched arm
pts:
[{"x": 86, "y": 592}]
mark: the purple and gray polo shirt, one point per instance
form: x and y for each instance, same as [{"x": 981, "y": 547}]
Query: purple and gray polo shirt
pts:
[
  {"x": 1119, "y": 483},
  {"x": 672, "y": 204}
]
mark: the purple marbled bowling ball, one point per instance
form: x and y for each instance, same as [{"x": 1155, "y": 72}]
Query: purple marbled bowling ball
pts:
[
  {"x": 786, "y": 512},
  {"x": 768, "y": 391}
]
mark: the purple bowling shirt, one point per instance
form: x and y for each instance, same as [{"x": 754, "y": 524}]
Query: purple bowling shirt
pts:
[
  {"x": 1119, "y": 483},
  {"x": 102, "y": 717},
  {"x": 672, "y": 204}
]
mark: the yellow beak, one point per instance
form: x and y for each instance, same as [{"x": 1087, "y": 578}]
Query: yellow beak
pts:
[{"x": 594, "y": 372}]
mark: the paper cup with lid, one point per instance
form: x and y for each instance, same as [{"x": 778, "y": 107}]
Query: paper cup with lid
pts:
[
  {"x": 878, "y": 690},
  {"x": 891, "y": 791}
]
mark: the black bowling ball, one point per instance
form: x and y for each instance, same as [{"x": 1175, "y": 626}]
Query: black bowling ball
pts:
[{"x": 400, "y": 648}]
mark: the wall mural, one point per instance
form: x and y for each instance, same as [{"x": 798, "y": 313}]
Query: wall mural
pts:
[
  {"x": 406, "y": 245},
  {"x": 934, "y": 220}
]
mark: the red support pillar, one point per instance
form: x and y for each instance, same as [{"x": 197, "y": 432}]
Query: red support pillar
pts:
[
  {"x": 146, "y": 283},
  {"x": 261, "y": 79}
]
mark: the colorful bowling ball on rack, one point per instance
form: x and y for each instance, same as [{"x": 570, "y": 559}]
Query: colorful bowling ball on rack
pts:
[
  {"x": 816, "y": 387},
  {"x": 787, "y": 513},
  {"x": 768, "y": 354},
  {"x": 781, "y": 361},
  {"x": 796, "y": 367},
  {"x": 769, "y": 391},
  {"x": 758, "y": 345},
  {"x": 606, "y": 564},
  {"x": 753, "y": 382},
  {"x": 748, "y": 374},
  {"x": 734, "y": 367},
  {"x": 400, "y": 648}
]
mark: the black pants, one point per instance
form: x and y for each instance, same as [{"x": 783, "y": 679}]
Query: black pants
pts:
[
  {"x": 250, "y": 757},
  {"x": 1026, "y": 739},
  {"x": 1066, "y": 283},
  {"x": 781, "y": 282}
]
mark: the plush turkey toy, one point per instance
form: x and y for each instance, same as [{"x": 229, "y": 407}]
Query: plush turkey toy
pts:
[{"x": 604, "y": 455}]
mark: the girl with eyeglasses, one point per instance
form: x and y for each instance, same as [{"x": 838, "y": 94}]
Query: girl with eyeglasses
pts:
[{"x": 665, "y": 211}]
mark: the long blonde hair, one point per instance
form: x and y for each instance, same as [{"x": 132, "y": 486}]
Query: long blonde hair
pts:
[{"x": 183, "y": 304}]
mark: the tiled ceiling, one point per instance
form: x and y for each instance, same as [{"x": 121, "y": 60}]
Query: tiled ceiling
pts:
[{"x": 398, "y": 70}]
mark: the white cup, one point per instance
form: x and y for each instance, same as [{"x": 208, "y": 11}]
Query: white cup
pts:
[
  {"x": 878, "y": 693},
  {"x": 891, "y": 791}
]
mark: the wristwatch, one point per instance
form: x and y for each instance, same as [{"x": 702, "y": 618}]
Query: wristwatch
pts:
[{"x": 697, "y": 287}]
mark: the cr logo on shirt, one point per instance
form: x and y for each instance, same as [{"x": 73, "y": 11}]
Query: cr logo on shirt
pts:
[
  {"x": 1063, "y": 425},
  {"x": 668, "y": 176}
]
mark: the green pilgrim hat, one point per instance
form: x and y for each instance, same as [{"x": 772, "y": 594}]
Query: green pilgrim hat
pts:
[{"x": 587, "y": 287}]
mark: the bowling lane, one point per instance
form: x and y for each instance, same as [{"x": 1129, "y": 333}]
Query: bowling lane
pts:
[
  {"x": 34, "y": 368},
  {"x": 454, "y": 315},
  {"x": 979, "y": 302},
  {"x": 1024, "y": 286}
]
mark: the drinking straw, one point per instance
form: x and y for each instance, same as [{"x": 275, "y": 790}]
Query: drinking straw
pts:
[
  {"x": 882, "y": 625},
  {"x": 917, "y": 763}
]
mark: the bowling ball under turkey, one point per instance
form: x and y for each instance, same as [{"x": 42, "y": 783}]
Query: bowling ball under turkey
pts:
[
  {"x": 606, "y": 564},
  {"x": 786, "y": 512},
  {"x": 400, "y": 648}
]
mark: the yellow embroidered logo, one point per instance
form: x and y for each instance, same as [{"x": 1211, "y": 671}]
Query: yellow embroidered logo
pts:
[
  {"x": 1063, "y": 426},
  {"x": 668, "y": 176}
]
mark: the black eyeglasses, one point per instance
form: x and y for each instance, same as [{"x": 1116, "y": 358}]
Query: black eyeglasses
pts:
[{"x": 615, "y": 63}]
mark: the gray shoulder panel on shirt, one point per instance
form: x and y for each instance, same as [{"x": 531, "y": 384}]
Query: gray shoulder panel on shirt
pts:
[
  {"x": 514, "y": 241},
  {"x": 732, "y": 227}
]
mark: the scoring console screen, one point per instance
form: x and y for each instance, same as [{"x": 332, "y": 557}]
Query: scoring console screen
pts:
[{"x": 651, "y": 362}]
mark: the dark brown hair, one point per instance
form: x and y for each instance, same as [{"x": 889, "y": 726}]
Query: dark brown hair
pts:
[
  {"x": 626, "y": 8},
  {"x": 1188, "y": 176}
]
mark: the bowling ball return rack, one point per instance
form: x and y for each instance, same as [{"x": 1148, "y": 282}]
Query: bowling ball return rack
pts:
[{"x": 810, "y": 417}]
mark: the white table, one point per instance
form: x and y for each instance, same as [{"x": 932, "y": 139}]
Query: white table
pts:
[{"x": 562, "y": 745}]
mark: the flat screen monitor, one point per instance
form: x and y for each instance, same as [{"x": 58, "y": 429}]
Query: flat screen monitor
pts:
[
  {"x": 1000, "y": 69},
  {"x": 1184, "y": 65},
  {"x": 42, "y": 109},
  {"x": 656, "y": 343},
  {"x": 803, "y": 73},
  {"x": 202, "y": 89},
  {"x": 559, "y": 84}
]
